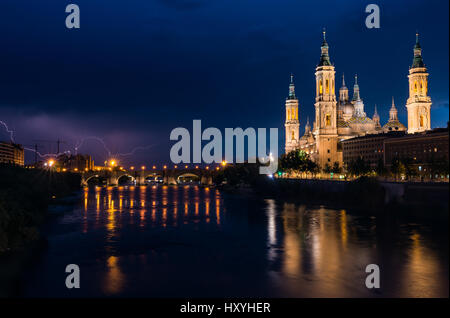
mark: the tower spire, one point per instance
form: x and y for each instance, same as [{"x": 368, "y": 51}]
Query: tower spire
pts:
[
  {"x": 292, "y": 88},
  {"x": 393, "y": 111},
  {"x": 417, "y": 60},
  {"x": 343, "y": 80},
  {"x": 356, "y": 95},
  {"x": 307, "y": 126},
  {"x": 376, "y": 118},
  {"x": 324, "y": 57}
]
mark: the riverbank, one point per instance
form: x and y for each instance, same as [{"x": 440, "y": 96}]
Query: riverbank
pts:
[
  {"x": 25, "y": 197},
  {"x": 424, "y": 200}
]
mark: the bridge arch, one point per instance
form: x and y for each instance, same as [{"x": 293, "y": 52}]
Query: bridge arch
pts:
[
  {"x": 129, "y": 176},
  {"x": 179, "y": 178},
  {"x": 87, "y": 178}
]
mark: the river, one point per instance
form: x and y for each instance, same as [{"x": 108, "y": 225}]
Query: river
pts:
[{"x": 190, "y": 241}]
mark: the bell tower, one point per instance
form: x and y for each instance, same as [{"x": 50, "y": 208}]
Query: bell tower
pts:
[
  {"x": 418, "y": 103},
  {"x": 292, "y": 124},
  {"x": 326, "y": 109}
]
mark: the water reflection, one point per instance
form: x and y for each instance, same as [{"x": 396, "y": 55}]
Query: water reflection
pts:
[
  {"x": 114, "y": 278},
  {"x": 151, "y": 240},
  {"x": 323, "y": 253},
  {"x": 157, "y": 207}
]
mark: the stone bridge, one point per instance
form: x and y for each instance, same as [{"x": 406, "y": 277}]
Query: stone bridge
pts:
[{"x": 169, "y": 176}]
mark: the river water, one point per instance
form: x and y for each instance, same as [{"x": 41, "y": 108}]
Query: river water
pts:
[{"x": 189, "y": 241}]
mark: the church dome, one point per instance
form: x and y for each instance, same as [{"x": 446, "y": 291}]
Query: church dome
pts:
[
  {"x": 348, "y": 109},
  {"x": 394, "y": 125}
]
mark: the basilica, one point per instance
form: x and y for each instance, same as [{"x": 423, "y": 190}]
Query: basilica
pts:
[{"x": 338, "y": 120}]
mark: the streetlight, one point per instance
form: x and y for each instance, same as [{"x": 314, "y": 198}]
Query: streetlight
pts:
[
  {"x": 51, "y": 162},
  {"x": 224, "y": 163}
]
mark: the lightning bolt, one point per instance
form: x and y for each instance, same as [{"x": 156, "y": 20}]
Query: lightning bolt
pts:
[
  {"x": 132, "y": 152},
  {"x": 46, "y": 155},
  {"x": 78, "y": 145},
  {"x": 10, "y": 132}
]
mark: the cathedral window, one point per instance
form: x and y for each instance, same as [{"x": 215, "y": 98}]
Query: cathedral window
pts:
[
  {"x": 327, "y": 86},
  {"x": 293, "y": 135},
  {"x": 296, "y": 114},
  {"x": 421, "y": 121},
  {"x": 289, "y": 115},
  {"x": 415, "y": 87},
  {"x": 327, "y": 120},
  {"x": 320, "y": 87}
]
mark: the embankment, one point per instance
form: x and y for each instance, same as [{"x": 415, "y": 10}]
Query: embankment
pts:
[
  {"x": 25, "y": 195},
  {"x": 364, "y": 193}
]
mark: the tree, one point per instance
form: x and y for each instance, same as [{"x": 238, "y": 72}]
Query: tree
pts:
[
  {"x": 327, "y": 168},
  {"x": 336, "y": 168},
  {"x": 381, "y": 169},
  {"x": 397, "y": 167},
  {"x": 358, "y": 167},
  {"x": 410, "y": 168},
  {"x": 296, "y": 161}
]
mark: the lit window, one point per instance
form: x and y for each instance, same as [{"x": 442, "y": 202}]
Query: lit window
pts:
[{"x": 328, "y": 120}]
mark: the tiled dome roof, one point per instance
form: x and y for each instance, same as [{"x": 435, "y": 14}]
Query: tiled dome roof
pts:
[
  {"x": 394, "y": 125},
  {"x": 342, "y": 124},
  {"x": 360, "y": 120}
]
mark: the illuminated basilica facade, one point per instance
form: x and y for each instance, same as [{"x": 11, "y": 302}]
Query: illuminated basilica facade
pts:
[{"x": 337, "y": 120}]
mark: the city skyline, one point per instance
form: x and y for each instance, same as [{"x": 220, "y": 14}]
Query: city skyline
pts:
[{"x": 139, "y": 74}]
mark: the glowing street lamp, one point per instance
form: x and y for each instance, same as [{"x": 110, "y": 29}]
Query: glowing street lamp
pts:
[
  {"x": 132, "y": 168},
  {"x": 165, "y": 167},
  {"x": 51, "y": 162},
  {"x": 143, "y": 167},
  {"x": 224, "y": 163},
  {"x": 112, "y": 163}
]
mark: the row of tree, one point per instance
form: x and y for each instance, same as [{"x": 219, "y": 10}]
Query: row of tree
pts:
[{"x": 298, "y": 161}]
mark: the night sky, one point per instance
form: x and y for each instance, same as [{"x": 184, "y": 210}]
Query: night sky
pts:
[{"x": 137, "y": 69}]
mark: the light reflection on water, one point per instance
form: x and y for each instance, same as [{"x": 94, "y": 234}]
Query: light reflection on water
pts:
[
  {"x": 179, "y": 241},
  {"x": 323, "y": 252}
]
